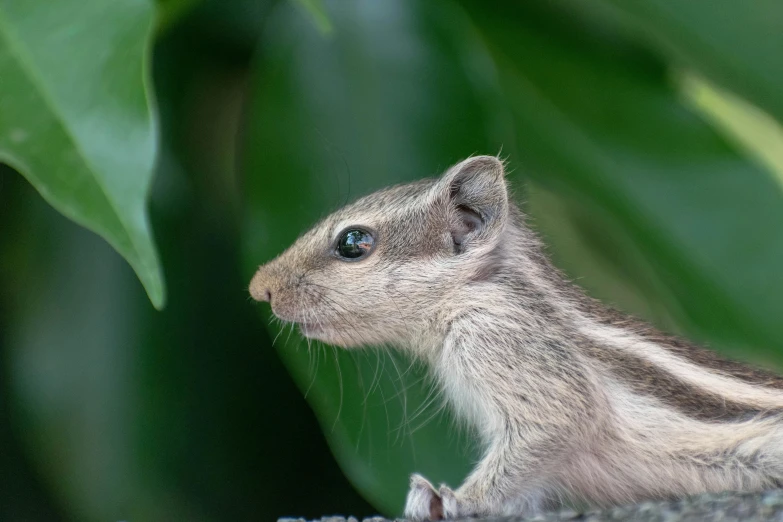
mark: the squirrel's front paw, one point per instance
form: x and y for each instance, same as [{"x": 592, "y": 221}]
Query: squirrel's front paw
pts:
[
  {"x": 449, "y": 505},
  {"x": 423, "y": 502}
]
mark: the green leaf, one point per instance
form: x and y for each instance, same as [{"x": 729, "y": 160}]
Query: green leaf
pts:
[
  {"x": 75, "y": 116},
  {"x": 317, "y": 12},
  {"x": 736, "y": 44},
  {"x": 749, "y": 127},
  {"x": 171, "y": 11}
]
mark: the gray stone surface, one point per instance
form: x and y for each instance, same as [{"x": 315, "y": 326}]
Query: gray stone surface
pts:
[{"x": 721, "y": 507}]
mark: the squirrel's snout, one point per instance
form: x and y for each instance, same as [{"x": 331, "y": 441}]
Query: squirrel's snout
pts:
[{"x": 260, "y": 288}]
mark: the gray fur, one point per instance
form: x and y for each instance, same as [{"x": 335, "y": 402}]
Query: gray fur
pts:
[{"x": 568, "y": 397}]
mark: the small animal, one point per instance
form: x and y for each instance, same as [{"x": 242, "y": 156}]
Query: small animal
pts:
[{"x": 569, "y": 398}]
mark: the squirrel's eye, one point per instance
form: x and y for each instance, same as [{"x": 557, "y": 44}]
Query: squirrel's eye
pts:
[{"x": 354, "y": 243}]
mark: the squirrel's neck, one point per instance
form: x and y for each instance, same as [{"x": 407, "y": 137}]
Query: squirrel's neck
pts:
[{"x": 517, "y": 278}]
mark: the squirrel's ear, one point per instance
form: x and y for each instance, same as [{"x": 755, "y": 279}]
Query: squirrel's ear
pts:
[{"x": 476, "y": 199}]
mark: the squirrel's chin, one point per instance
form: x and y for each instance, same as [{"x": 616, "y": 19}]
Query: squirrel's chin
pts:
[
  {"x": 311, "y": 330},
  {"x": 321, "y": 334},
  {"x": 316, "y": 332}
]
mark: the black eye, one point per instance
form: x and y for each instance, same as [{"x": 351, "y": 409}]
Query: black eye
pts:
[{"x": 354, "y": 243}]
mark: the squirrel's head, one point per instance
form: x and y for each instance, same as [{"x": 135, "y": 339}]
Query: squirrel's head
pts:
[{"x": 381, "y": 269}]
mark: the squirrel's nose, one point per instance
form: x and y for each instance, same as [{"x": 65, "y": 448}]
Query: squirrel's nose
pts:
[
  {"x": 259, "y": 286},
  {"x": 265, "y": 295}
]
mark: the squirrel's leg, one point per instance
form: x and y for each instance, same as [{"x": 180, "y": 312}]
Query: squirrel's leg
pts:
[
  {"x": 423, "y": 501},
  {"x": 504, "y": 477}
]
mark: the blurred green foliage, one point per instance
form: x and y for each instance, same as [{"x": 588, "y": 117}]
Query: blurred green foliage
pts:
[
  {"x": 642, "y": 136},
  {"x": 76, "y": 122}
]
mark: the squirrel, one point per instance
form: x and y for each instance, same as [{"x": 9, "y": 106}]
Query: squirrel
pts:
[{"x": 568, "y": 397}]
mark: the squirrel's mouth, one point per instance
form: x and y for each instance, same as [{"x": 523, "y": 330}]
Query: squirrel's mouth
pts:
[{"x": 308, "y": 329}]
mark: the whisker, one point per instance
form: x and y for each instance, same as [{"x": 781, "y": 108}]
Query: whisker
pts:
[
  {"x": 313, "y": 369},
  {"x": 365, "y": 400},
  {"x": 340, "y": 381},
  {"x": 426, "y": 421},
  {"x": 375, "y": 374},
  {"x": 279, "y": 331},
  {"x": 403, "y": 398}
]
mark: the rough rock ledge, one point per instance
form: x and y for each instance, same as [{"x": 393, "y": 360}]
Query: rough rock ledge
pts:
[{"x": 720, "y": 507}]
